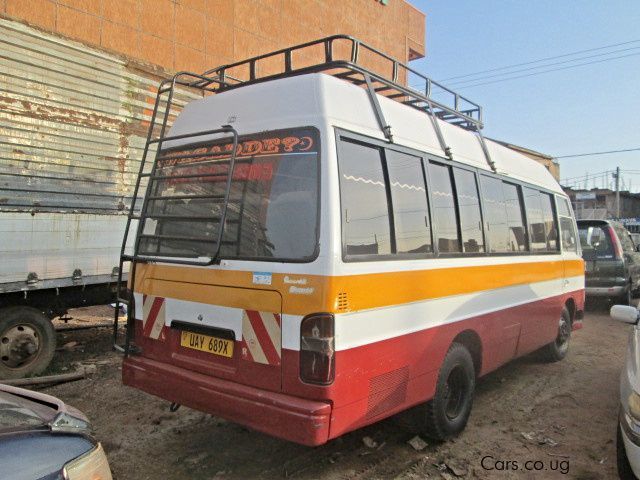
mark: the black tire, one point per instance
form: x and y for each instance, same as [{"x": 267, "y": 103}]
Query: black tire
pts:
[
  {"x": 27, "y": 342},
  {"x": 624, "y": 467},
  {"x": 558, "y": 349},
  {"x": 626, "y": 297},
  {"x": 446, "y": 414}
]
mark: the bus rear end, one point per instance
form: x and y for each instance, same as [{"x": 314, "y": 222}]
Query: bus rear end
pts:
[{"x": 218, "y": 301}]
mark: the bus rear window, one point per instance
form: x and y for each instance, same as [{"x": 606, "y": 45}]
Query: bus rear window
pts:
[{"x": 273, "y": 203}]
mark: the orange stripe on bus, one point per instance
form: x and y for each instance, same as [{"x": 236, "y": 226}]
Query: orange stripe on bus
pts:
[{"x": 374, "y": 290}]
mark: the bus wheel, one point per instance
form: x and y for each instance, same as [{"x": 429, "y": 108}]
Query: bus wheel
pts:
[
  {"x": 27, "y": 342},
  {"x": 557, "y": 350},
  {"x": 447, "y": 413}
]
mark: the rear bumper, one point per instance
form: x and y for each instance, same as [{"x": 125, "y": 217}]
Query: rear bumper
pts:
[
  {"x": 615, "y": 291},
  {"x": 290, "y": 418}
]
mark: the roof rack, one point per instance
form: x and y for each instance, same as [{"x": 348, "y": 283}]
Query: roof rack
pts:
[
  {"x": 461, "y": 110},
  {"x": 346, "y": 57}
]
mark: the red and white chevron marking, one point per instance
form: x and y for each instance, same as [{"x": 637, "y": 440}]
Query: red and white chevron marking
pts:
[
  {"x": 153, "y": 317},
  {"x": 261, "y": 337}
]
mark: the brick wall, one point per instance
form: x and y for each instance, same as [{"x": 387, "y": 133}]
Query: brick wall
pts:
[{"x": 200, "y": 34}]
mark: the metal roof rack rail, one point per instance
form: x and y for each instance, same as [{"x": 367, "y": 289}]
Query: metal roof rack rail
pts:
[{"x": 346, "y": 57}]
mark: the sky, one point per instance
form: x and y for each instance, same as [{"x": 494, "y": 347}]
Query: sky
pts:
[{"x": 590, "y": 108}]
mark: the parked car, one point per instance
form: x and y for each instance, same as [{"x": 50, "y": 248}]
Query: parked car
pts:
[
  {"x": 628, "y": 437},
  {"x": 612, "y": 261},
  {"x": 42, "y": 438}
]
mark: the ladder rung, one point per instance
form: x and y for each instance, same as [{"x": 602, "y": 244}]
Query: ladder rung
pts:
[
  {"x": 185, "y": 197},
  {"x": 190, "y": 175},
  {"x": 180, "y": 238},
  {"x": 185, "y": 218}
]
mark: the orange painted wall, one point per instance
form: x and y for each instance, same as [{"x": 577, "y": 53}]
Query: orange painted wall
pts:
[{"x": 198, "y": 35}]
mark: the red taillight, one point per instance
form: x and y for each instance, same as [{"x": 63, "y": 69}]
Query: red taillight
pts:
[
  {"x": 317, "y": 349},
  {"x": 617, "y": 248}
]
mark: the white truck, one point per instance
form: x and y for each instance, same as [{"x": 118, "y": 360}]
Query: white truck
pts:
[{"x": 51, "y": 261}]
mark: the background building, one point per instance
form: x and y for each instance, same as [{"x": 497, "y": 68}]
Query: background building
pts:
[{"x": 600, "y": 203}]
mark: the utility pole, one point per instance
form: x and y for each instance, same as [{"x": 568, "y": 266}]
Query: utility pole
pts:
[{"x": 617, "y": 177}]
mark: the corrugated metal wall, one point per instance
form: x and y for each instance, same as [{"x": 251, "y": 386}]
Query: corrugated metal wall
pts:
[{"x": 73, "y": 123}]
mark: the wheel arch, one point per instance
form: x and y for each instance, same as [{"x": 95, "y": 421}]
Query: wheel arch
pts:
[
  {"x": 472, "y": 342},
  {"x": 570, "y": 305}
]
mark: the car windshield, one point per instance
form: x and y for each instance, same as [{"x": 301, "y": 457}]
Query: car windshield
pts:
[
  {"x": 595, "y": 241},
  {"x": 273, "y": 201},
  {"x": 18, "y": 412}
]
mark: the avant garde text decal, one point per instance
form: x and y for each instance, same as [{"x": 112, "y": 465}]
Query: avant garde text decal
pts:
[{"x": 265, "y": 146}]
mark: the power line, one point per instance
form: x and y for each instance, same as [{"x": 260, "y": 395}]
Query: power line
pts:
[
  {"x": 456, "y": 84},
  {"x": 540, "y": 60},
  {"x": 588, "y": 176},
  {"x": 598, "y": 153},
  {"x": 547, "y": 71}
]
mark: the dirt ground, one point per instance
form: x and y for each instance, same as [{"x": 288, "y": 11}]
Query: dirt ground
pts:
[{"x": 562, "y": 416}]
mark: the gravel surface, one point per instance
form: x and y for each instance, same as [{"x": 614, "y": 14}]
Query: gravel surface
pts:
[{"x": 561, "y": 415}]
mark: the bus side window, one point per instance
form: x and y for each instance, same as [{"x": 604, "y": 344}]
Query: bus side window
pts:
[
  {"x": 445, "y": 216},
  {"x": 503, "y": 216},
  {"x": 543, "y": 229},
  {"x": 533, "y": 206},
  {"x": 495, "y": 214},
  {"x": 469, "y": 208},
  {"x": 409, "y": 200},
  {"x": 515, "y": 218},
  {"x": 550, "y": 225},
  {"x": 363, "y": 195},
  {"x": 568, "y": 234}
]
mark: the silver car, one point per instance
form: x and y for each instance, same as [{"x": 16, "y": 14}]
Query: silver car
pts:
[
  {"x": 628, "y": 441},
  {"x": 42, "y": 438}
]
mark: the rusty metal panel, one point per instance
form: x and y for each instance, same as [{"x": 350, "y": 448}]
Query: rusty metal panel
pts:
[{"x": 73, "y": 123}]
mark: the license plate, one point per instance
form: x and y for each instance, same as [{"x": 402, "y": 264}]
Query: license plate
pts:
[{"x": 205, "y": 343}]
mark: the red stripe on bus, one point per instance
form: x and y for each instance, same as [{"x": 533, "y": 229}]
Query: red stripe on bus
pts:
[
  {"x": 273, "y": 357},
  {"x": 153, "y": 315}
]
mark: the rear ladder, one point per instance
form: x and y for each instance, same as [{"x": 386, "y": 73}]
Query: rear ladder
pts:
[{"x": 160, "y": 118}]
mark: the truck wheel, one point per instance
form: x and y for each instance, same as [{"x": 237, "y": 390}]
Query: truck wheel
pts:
[
  {"x": 27, "y": 342},
  {"x": 557, "y": 350},
  {"x": 627, "y": 296},
  {"x": 447, "y": 413}
]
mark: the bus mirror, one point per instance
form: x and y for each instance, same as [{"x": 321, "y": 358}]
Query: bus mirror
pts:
[{"x": 624, "y": 313}]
